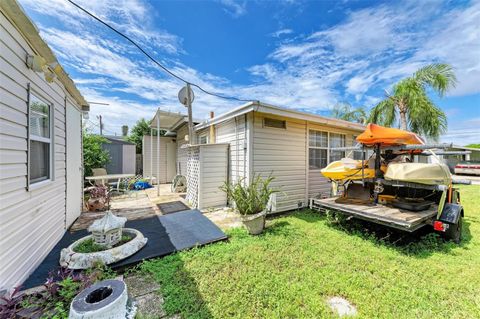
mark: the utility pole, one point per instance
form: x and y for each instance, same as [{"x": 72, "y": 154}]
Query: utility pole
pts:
[
  {"x": 190, "y": 121},
  {"x": 101, "y": 124}
]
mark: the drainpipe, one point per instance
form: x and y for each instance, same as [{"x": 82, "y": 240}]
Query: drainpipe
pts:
[
  {"x": 212, "y": 129},
  {"x": 151, "y": 155},
  {"x": 158, "y": 154}
]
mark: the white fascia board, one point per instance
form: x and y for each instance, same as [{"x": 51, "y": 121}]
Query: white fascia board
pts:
[{"x": 284, "y": 112}]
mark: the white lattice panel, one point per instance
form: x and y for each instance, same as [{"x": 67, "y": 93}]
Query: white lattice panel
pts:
[{"x": 193, "y": 175}]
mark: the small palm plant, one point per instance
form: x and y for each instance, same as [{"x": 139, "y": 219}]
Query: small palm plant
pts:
[{"x": 251, "y": 200}]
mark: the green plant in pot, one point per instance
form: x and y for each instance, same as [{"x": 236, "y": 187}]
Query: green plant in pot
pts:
[{"x": 251, "y": 200}]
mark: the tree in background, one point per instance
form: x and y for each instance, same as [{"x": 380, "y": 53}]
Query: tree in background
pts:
[
  {"x": 475, "y": 145},
  {"x": 141, "y": 128},
  {"x": 345, "y": 111},
  {"x": 409, "y": 100},
  {"x": 94, "y": 156}
]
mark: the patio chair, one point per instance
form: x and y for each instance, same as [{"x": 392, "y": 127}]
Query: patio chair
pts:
[{"x": 101, "y": 172}]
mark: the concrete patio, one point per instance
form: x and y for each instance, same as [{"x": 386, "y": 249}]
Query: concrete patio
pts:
[{"x": 144, "y": 204}]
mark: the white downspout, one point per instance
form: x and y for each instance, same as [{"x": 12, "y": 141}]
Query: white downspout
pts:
[
  {"x": 151, "y": 155},
  {"x": 158, "y": 154}
]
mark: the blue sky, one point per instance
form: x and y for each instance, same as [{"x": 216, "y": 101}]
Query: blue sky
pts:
[{"x": 305, "y": 55}]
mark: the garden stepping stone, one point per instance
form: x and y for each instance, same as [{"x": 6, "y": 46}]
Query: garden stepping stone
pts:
[{"x": 341, "y": 306}]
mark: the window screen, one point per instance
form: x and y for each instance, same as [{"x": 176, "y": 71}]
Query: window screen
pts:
[
  {"x": 336, "y": 140},
  {"x": 40, "y": 140},
  {"x": 317, "y": 152}
]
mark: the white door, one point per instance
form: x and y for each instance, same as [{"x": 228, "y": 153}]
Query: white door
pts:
[
  {"x": 74, "y": 165},
  {"x": 171, "y": 161}
]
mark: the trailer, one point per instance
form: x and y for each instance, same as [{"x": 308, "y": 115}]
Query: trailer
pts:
[{"x": 390, "y": 190}]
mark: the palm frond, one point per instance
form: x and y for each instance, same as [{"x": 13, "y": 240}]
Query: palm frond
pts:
[{"x": 438, "y": 76}]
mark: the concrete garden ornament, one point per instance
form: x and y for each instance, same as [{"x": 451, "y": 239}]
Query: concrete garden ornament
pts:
[
  {"x": 109, "y": 243},
  {"x": 106, "y": 299}
]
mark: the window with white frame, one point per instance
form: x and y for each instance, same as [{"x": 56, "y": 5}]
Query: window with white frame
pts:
[
  {"x": 202, "y": 139},
  {"x": 336, "y": 140},
  {"x": 317, "y": 149},
  {"x": 40, "y": 158}
]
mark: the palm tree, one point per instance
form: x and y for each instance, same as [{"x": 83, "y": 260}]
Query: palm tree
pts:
[
  {"x": 411, "y": 103},
  {"x": 344, "y": 111}
]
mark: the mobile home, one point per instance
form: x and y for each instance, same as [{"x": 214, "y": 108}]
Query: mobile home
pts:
[{"x": 40, "y": 147}]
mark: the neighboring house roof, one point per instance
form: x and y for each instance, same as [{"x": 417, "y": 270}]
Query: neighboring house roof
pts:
[
  {"x": 280, "y": 111},
  {"x": 466, "y": 148},
  {"x": 118, "y": 139},
  {"x": 169, "y": 121},
  {"x": 14, "y": 12}
]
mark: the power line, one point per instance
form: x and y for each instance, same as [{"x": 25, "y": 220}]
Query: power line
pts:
[{"x": 164, "y": 68}]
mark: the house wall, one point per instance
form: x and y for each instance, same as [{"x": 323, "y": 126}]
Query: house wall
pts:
[
  {"x": 31, "y": 221},
  {"x": 283, "y": 153},
  {"x": 129, "y": 159},
  {"x": 213, "y": 173},
  {"x": 233, "y": 132},
  {"x": 147, "y": 168},
  {"x": 182, "y": 153}
]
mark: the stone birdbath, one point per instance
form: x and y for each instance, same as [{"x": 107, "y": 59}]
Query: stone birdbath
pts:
[{"x": 109, "y": 242}]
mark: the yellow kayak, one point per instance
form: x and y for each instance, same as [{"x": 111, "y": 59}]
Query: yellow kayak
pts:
[{"x": 339, "y": 170}]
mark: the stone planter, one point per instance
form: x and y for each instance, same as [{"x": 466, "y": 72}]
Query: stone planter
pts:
[
  {"x": 106, "y": 299},
  {"x": 96, "y": 204},
  {"x": 254, "y": 223},
  {"x": 73, "y": 260}
]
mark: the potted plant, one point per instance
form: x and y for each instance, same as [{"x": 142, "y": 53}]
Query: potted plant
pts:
[
  {"x": 251, "y": 201},
  {"x": 98, "y": 198}
]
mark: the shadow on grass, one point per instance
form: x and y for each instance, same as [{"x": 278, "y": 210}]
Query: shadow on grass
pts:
[
  {"x": 178, "y": 287},
  {"x": 421, "y": 243}
]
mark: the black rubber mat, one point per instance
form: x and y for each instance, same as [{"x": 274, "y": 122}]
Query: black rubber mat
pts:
[
  {"x": 172, "y": 207},
  {"x": 166, "y": 234}
]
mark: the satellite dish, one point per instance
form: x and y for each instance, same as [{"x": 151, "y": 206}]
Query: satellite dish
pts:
[{"x": 182, "y": 96}]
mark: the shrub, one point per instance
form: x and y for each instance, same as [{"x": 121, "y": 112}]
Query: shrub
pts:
[{"x": 252, "y": 198}]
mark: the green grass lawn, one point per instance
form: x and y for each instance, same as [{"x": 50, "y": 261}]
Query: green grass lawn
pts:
[{"x": 304, "y": 258}]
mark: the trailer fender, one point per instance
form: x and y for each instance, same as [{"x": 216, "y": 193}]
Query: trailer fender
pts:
[{"x": 451, "y": 213}]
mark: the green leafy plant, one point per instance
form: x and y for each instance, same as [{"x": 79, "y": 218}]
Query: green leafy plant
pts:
[
  {"x": 250, "y": 198},
  {"x": 94, "y": 156},
  {"x": 410, "y": 103},
  {"x": 141, "y": 128},
  {"x": 89, "y": 245}
]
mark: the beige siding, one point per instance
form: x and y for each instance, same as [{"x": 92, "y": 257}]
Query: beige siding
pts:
[
  {"x": 31, "y": 222},
  {"x": 213, "y": 173},
  {"x": 233, "y": 132},
  {"x": 147, "y": 168},
  {"x": 282, "y": 153},
  {"x": 182, "y": 153}
]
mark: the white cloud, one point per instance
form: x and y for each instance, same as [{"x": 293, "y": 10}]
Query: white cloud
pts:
[
  {"x": 371, "y": 48},
  {"x": 281, "y": 32},
  {"x": 234, "y": 7}
]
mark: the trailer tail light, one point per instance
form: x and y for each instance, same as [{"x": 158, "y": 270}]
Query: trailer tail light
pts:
[{"x": 439, "y": 226}]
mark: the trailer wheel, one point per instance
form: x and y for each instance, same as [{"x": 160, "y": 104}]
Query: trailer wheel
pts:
[{"x": 454, "y": 232}]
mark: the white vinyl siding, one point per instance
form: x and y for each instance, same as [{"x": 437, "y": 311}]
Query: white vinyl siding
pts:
[
  {"x": 31, "y": 222},
  {"x": 213, "y": 172},
  {"x": 233, "y": 132},
  {"x": 182, "y": 153},
  {"x": 150, "y": 164},
  {"x": 283, "y": 155}
]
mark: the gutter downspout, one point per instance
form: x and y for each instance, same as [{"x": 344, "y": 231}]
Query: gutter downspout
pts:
[
  {"x": 151, "y": 155},
  {"x": 158, "y": 155}
]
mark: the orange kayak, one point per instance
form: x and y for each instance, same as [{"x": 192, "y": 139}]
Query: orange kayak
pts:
[{"x": 386, "y": 136}]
